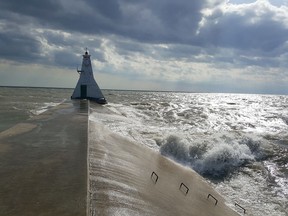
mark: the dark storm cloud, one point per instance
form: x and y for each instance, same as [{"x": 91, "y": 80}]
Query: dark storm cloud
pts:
[
  {"x": 148, "y": 21},
  {"x": 165, "y": 21},
  {"x": 175, "y": 23},
  {"x": 57, "y": 39},
  {"x": 34, "y": 8},
  {"x": 238, "y": 31},
  {"x": 65, "y": 57},
  {"x": 128, "y": 47},
  {"x": 69, "y": 44},
  {"x": 18, "y": 45},
  {"x": 135, "y": 19},
  {"x": 108, "y": 9}
]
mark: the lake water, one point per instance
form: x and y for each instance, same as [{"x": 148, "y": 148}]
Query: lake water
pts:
[{"x": 237, "y": 142}]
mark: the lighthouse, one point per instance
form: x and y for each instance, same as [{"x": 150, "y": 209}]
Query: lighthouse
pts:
[{"x": 86, "y": 87}]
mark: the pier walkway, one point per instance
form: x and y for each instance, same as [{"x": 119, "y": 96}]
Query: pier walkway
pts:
[
  {"x": 45, "y": 171},
  {"x": 43, "y": 164}
]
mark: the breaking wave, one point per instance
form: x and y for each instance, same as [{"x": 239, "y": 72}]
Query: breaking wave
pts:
[
  {"x": 216, "y": 158},
  {"x": 238, "y": 142},
  {"x": 44, "y": 107}
]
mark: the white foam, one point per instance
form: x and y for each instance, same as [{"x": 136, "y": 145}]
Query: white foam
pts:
[
  {"x": 215, "y": 155},
  {"x": 45, "y": 107},
  {"x": 278, "y": 178},
  {"x": 127, "y": 122},
  {"x": 215, "y": 134},
  {"x": 251, "y": 192}
]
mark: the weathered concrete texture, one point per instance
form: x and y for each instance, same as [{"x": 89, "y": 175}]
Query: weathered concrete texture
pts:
[
  {"x": 43, "y": 164},
  {"x": 122, "y": 182}
]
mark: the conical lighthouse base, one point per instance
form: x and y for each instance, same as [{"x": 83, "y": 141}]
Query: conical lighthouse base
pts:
[{"x": 86, "y": 87}]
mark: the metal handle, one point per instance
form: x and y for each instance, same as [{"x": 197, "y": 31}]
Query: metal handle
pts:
[
  {"x": 210, "y": 195},
  {"x": 183, "y": 185},
  {"x": 244, "y": 210},
  {"x": 154, "y": 179}
]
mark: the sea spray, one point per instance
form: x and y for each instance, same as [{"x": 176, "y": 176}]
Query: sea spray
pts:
[
  {"x": 216, "y": 156},
  {"x": 242, "y": 137}
]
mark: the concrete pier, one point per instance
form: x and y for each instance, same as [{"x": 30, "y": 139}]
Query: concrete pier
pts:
[
  {"x": 126, "y": 178},
  {"x": 43, "y": 171},
  {"x": 43, "y": 164}
]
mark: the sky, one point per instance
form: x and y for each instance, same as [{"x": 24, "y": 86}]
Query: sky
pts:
[{"x": 229, "y": 46}]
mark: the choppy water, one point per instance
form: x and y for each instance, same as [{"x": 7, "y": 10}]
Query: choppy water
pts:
[
  {"x": 237, "y": 142},
  {"x": 19, "y": 104}
]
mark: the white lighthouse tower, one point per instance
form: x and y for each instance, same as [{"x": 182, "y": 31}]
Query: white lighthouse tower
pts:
[{"x": 87, "y": 87}]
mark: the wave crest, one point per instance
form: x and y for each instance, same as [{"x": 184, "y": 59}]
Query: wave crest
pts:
[{"x": 216, "y": 158}]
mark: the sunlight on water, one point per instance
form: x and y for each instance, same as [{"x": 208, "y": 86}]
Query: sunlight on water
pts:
[{"x": 238, "y": 142}]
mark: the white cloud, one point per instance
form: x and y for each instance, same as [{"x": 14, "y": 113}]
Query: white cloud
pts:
[{"x": 214, "y": 45}]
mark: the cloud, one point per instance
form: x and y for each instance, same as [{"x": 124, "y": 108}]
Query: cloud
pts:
[
  {"x": 17, "y": 44},
  {"x": 198, "y": 42},
  {"x": 254, "y": 34},
  {"x": 257, "y": 26}
]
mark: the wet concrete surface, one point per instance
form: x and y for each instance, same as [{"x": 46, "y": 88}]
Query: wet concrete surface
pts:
[
  {"x": 126, "y": 178},
  {"x": 43, "y": 164}
]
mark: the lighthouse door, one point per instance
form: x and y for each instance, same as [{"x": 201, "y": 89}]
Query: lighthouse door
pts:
[{"x": 83, "y": 91}]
